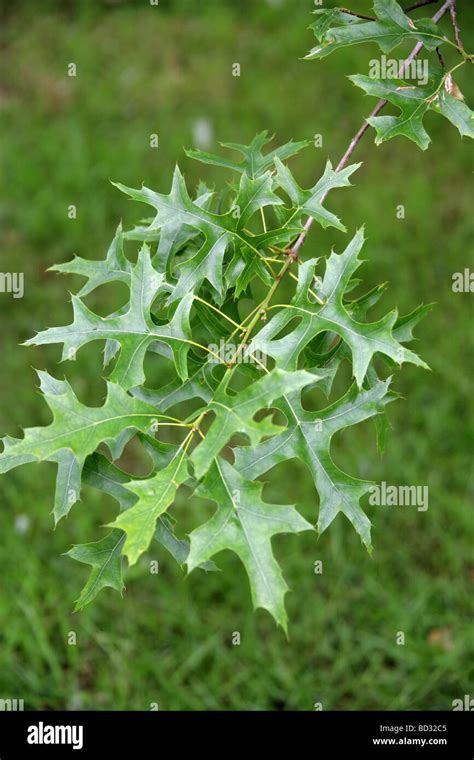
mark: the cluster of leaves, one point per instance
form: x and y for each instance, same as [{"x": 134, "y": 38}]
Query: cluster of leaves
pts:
[
  {"x": 338, "y": 28},
  {"x": 196, "y": 277}
]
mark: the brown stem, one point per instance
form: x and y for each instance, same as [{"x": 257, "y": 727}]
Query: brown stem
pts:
[
  {"x": 261, "y": 309},
  {"x": 457, "y": 31},
  {"x": 358, "y": 15},
  {"x": 413, "y": 7},
  {"x": 419, "y": 4},
  {"x": 447, "y": 5},
  {"x": 294, "y": 250}
]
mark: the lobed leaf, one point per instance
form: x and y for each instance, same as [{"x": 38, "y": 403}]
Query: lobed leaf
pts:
[
  {"x": 391, "y": 27},
  {"x": 132, "y": 331},
  {"x": 308, "y": 438},
  {"x": 155, "y": 495},
  {"x": 235, "y": 413},
  {"x": 414, "y": 101},
  {"x": 244, "y": 524},
  {"x": 365, "y": 339},
  {"x": 254, "y": 163},
  {"x": 196, "y": 282}
]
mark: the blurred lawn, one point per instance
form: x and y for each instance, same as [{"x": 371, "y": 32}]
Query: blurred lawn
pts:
[{"x": 144, "y": 70}]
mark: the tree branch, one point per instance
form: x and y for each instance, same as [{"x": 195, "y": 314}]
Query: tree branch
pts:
[
  {"x": 447, "y": 6},
  {"x": 293, "y": 251},
  {"x": 457, "y": 31},
  {"x": 419, "y": 4},
  {"x": 440, "y": 58},
  {"x": 413, "y": 7},
  {"x": 358, "y": 15}
]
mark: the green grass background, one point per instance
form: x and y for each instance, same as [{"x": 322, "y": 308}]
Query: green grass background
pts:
[{"x": 144, "y": 70}]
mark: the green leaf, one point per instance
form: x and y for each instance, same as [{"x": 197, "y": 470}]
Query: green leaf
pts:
[
  {"x": 414, "y": 101},
  {"x": 177, "y": 547},
  {"x": 206, "y": 264},
  {"x": 76, "y": 427},
  {"x": 115, "y": 267},
  {"x": 134, "y": 331},
  {"x": 249, "y": 269},
  {"x": 172, "y": 238},
  {"x": 254, "y": 163},
  {"x": 391, "y": 27},
  {"x": 244, "y": 524},
  {"x": 235, "y": 413},
  {"x": 310, "y": 201},
  {"x": 68, "y": 483},
  {"x": 104, "y": 476},
  {"x": 200, "y": 384},
  {"x": 327, "y": 17},
  {"x": 105, "y": 557},
  {"x": 404, "y": 326},
  {"x": 326, "y": 351},
  {"x": 155, "y": 495},
  {"x": 218, "y": 230},
  {"x": 211, "y": 279},
  {"x": 308, "y": 438},
  {"x": 365, "y": 339},
  {"x": 68, "y": 479},
  {"x": 454, "y": 110}
]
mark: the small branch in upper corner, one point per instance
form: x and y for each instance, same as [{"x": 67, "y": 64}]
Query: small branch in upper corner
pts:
[
  {"x": 357, "y": 15},
  {"x": 457, "y": 31},
  {"x": 419, "y": 4},
  {"x": 412, "y": 7}
]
